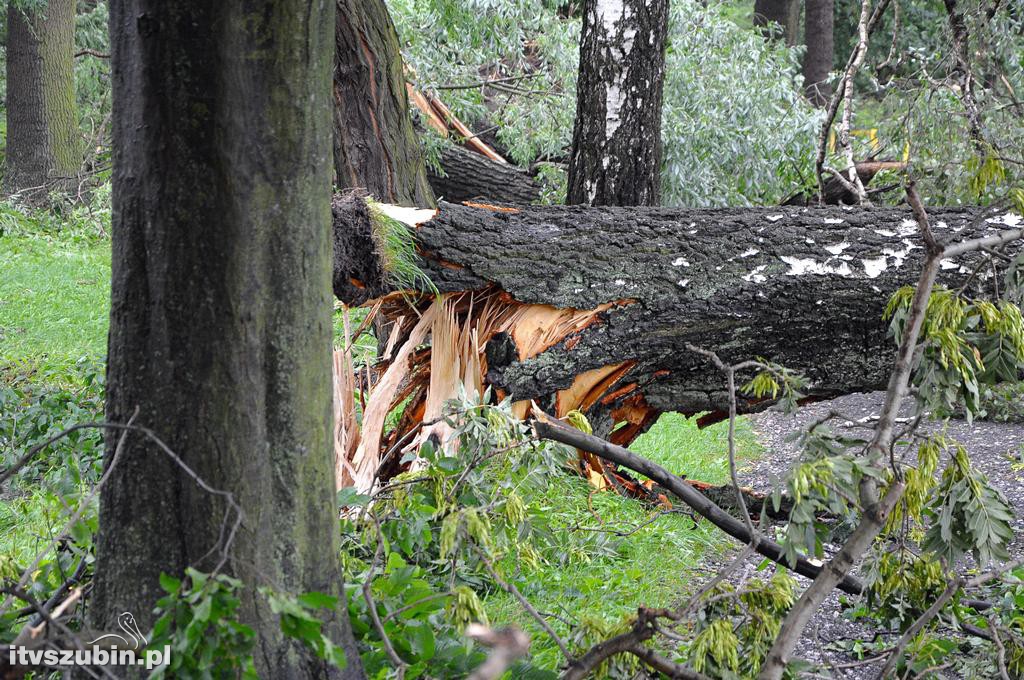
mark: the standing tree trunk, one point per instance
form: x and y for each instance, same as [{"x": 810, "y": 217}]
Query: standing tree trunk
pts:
[
  {"x": 616, "y": 144},
  {"x": 785, "y": 13},
  {"x": 820, "y": 51},
  {"x": 375, "y": 145},
  {"x": 42, "y": 122},
  {"x": 220, "y": 323}
]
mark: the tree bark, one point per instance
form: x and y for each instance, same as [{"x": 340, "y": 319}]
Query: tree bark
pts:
[
  {"x": 42, "y": 121},
  {"x": 469, "y": 176},
  {"x": 820, "y": 52},
  {"x": 785, "y": 14},
  {"x": 375, "y": 144},
  {"x": 616, "y": 144},
  {"x": 220, "y": 324},
  {"x": 804, "y": 287}
]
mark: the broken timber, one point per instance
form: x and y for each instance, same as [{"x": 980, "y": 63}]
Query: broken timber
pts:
[{"x": 592, "y": 308}]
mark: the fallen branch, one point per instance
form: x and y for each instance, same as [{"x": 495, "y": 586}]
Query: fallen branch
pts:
[
  {"x": 548, "y": 428},
  {"x": 631, "y": 641}
]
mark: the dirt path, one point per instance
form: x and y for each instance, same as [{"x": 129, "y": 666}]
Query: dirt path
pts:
[{"x": 995, "y": 448}]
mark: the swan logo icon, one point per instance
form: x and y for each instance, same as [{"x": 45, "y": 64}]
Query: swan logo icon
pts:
[{"x": 132, "y": 638}]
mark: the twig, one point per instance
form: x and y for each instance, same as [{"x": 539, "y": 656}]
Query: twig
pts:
[
  {"x": 663, "y": 665},
  {"x": 371, "y": 605},
  {"x": 631, "y": 642},
  {"x": 1001, "y": 649},
  {"x": 417, "y": 603},
  {"x": 530, "y": 609},
  {"x": 485, "y": 83},
  {"x": 549, "y": 428},
  {"x": 91, "y": 53},
  {"x": 225, "y": 541}
]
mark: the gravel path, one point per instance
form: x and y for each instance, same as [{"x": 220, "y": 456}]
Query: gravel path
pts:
[{"x": 995, "y": 448}]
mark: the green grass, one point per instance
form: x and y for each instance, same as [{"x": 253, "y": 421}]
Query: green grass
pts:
[
  {"x": 55, "y": 303},
  {"x": 54, "y": 300},
  {"x": 657, "y": 566}
]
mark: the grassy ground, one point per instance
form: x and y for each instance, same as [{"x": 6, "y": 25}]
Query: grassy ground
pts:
[
  {"x": 54, "y": 301},
  {"x": 656, "y": 566}
]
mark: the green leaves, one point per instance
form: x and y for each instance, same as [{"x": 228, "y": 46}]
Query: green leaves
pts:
[
  {"x": 968, "y": 515},
  {"x": 198, "y": 619},
  {"x": 965, "y": 344},
  {"x": 716, "y": 647},
  {"x": 766, "y": 385},
  {"x": 985, "y": 171},
  {"x": 299, "y": 621}
]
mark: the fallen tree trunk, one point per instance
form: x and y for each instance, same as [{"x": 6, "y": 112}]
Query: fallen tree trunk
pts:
[
  {"x": 469, "y": 176},
  {"x": 592, "y": 308}
]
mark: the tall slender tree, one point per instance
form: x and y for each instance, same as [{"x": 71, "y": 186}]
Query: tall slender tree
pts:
[
  {"x": 616, "y": 144},
  {"x": 820, "y": 50},
  {"x": 779, "y": 15},
  {"x": 220, "y": 323},
  {"x": 42, "y": 121},
  {"x": 375, "y": 145}
]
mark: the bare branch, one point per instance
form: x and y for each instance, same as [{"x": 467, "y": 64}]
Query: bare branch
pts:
[
  {"x": 549, "y": 428},
  {"x": 530, "y": 609},
  {"x": 371, "y": 604}
]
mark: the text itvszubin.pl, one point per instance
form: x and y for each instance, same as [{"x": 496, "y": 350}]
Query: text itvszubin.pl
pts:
[{"x": 87, "y": 656}]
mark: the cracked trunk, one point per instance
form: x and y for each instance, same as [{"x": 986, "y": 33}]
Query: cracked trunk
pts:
[
  {"x": 593, "y": 307},
  {"x": 220, "y": 323},
  {"x": 616, "y": 144}
]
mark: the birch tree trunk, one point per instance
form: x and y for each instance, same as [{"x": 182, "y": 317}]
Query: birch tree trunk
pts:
[{"x": 616, "y": 145}]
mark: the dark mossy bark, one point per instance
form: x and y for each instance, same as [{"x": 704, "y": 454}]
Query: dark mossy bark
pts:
[
  {"x": 220, "y": 324},
  {"x": 375, "y": 144},
  {"x": 804, "y": 287},
  {"x": 616, "y": 144},
  {"x": 43, "y": 150},
  {"x": 820, "y": 51}
]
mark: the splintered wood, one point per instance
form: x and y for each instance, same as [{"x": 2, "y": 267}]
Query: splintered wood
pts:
[{"x": 421, "y": 379}]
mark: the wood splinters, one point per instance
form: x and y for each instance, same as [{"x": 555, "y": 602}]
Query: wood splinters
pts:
[{"x": 492, "y": 208}]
